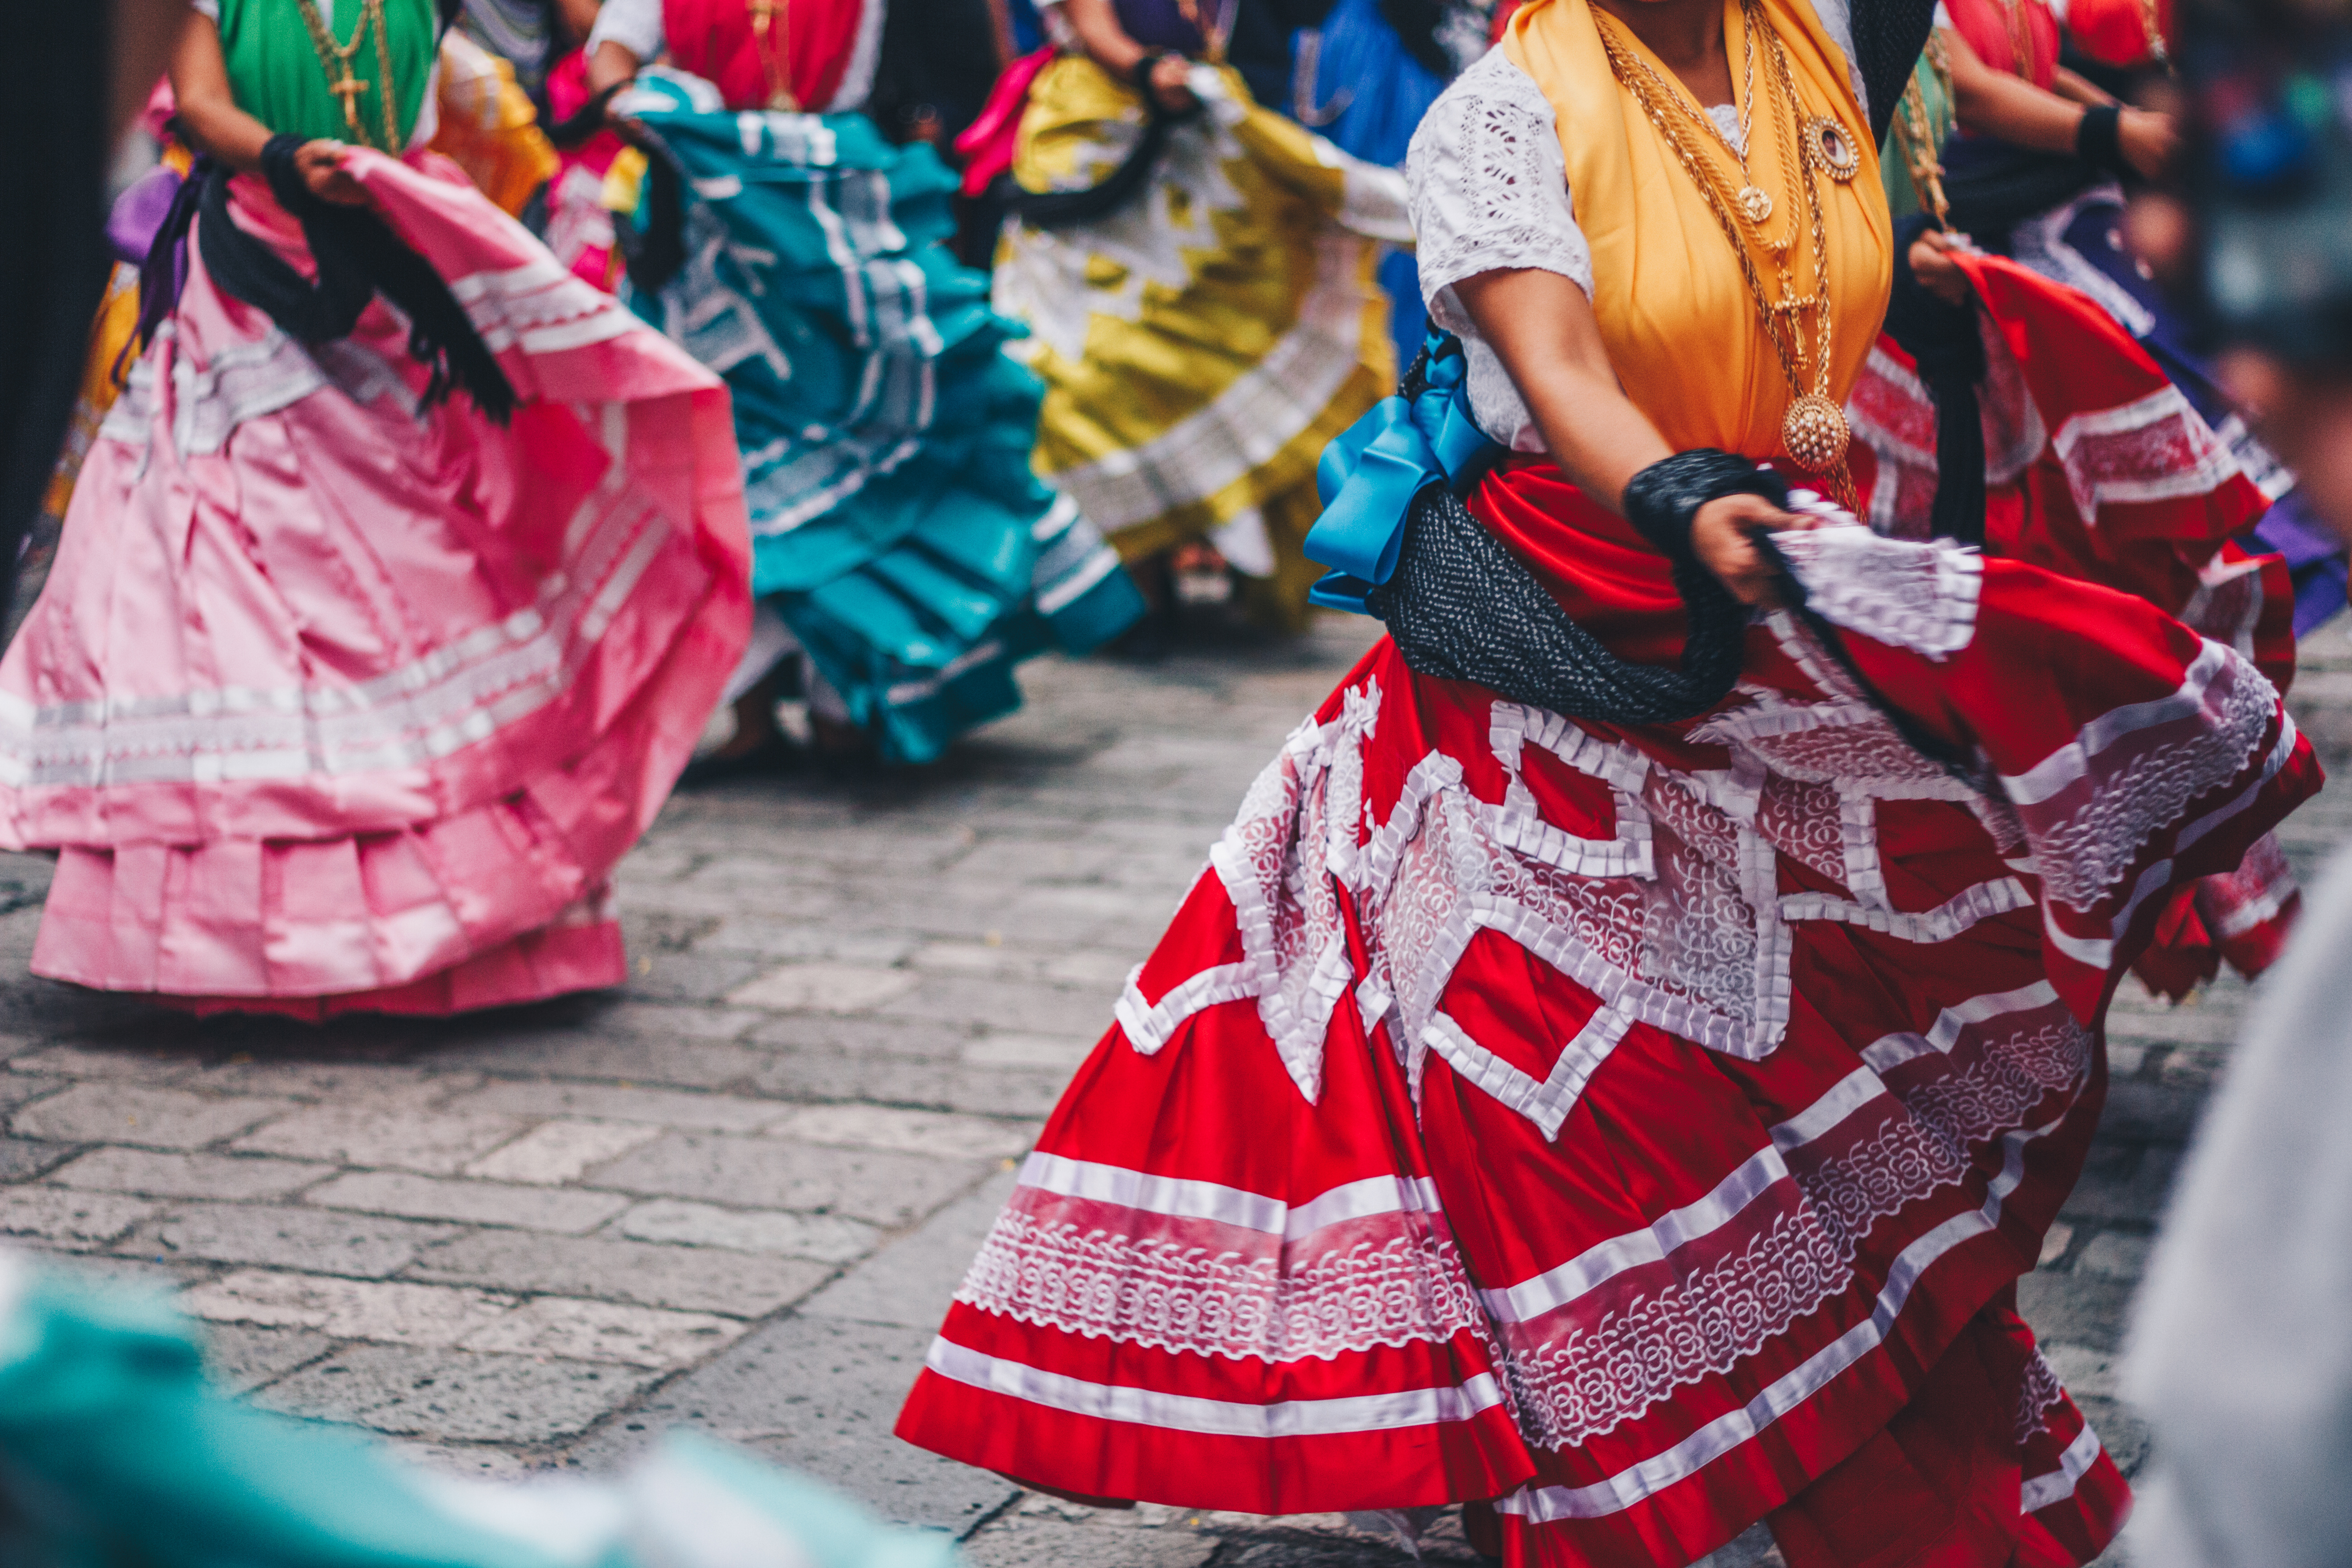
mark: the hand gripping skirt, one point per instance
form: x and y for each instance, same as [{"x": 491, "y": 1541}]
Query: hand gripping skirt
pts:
[
  {"x": 1643, "y": 1128},
  {"x": 330, "y": 704}
]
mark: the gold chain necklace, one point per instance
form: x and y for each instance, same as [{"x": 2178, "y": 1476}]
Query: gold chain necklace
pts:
[
  {"x": 2153, "y": 26},
  {"x": 2021, "y": 35},
  {"x": 1754, "y": 202},
  {"x": 765, "y": 15},
  {"x": 334, "y": 57},
  {"x": 1813, "y": 430},
  {"x": 1916, "y": 137}
]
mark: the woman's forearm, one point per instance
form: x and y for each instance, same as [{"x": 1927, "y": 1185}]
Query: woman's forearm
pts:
[
  {"x": 2076, "y": 87},
  {"x": 1542, "y": 326},
  {"x": 575, "y": 21},
  {"x": 206, "y": 109},
  {"x": 1988, "y": 102},
  {"x": 1106, "y": 42},
  {"x": 611, "y": 66},
  {"x": 1592, "y": 430}
]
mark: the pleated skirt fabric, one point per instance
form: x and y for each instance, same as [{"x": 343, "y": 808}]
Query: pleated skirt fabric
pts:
[
  {"x": 897, "y": 524},
  {"x": 334, "y": 704}
]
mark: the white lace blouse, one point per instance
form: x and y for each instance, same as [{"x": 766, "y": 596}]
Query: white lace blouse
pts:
[{"x": 1489, "y": 189}]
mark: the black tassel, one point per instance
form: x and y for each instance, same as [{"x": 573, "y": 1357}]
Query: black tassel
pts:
[
  {"x": 165, "y": 268},
  {"x": 655, "y": 253},
  {"x": 1943, "y": 340},
  {"x": 575, "y": 128}
]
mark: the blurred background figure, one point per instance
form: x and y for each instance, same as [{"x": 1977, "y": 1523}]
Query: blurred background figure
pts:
[
  {"x": 2242, "y": 1350},
  {"x": 490, "y": 127},
  {"x": 2006, "y": 141},
  {"x": 97, "y": 63},
  {"x": 905, "y": 554},
  {"x": 531, "y": 35},
  {"x": 2036, "y": 395},
  {"x": 480, "y": 541},
  {"x": 1197, "y": 276},
  {"x": 1364, "y": 78}
]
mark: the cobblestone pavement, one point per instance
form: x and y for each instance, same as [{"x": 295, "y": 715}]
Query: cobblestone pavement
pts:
[{"x": 739, "y": 1195}]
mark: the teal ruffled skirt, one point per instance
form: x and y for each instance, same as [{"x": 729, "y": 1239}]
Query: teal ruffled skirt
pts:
[{"x": 896, "y": 525}]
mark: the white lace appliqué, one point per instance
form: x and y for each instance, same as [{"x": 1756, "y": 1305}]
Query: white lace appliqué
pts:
[
  {"x": 2092, "y": 803},
  {"x": 2037, "y": 1392},
  {"x": 1675, "y": 921},
  {"x": 1173, "y": 1294},
  {"x": 1919, "y": 596}
]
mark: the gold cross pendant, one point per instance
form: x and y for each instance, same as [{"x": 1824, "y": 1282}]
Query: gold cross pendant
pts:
[{"x": 349, "y": 90}]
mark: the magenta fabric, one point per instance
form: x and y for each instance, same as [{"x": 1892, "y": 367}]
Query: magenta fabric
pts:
[
  {"x": 986, "y": 145},
  {"x": 330, "y": 704}
]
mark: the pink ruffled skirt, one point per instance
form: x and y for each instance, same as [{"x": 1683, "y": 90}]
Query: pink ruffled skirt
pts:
[{"x": 330, "y": 705}]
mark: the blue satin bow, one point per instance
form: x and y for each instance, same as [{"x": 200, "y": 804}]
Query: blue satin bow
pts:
[{"x": 1369, "y": 476}]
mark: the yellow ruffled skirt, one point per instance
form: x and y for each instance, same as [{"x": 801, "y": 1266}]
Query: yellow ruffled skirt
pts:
[{"x": 1200, "y": 345}]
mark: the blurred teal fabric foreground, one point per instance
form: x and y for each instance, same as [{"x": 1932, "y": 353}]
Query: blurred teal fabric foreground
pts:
[{"x": 116, "y": 1452}]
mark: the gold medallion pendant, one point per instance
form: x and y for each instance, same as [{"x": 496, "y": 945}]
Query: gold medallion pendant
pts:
[
  {"x": 1815, "y": 431},
  {"x": 1754, "y": 205},
  {"x": 1839, "y": 157}
]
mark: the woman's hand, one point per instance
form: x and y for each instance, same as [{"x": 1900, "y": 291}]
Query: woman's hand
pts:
[
  {"x": 1108, "y": 45},
  {"x": 1931, "y": 263},
  {"x": 320, "y": 164},
  {"x": 1542, "y": 327},
  {"x": 1719, "y": 537},
  {"x": 2149, "y": 141},
  {"x": 1170, "y": 75}
]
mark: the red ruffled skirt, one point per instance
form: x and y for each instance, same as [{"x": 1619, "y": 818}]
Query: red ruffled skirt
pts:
[{"x": 1642, "y": 1128}]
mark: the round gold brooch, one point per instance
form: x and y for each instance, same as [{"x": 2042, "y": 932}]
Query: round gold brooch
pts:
[
  {"x": 1815, "y": 431},
  {"x": 1834, "y": 145}
]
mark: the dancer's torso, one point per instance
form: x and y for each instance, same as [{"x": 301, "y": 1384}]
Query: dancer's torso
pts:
[
  {"x": 277, "y": 74},
  {"x": 798, "y": 59},
  {"x": 2017, "y": 36},
  {"x": 1683, "y": 328}
]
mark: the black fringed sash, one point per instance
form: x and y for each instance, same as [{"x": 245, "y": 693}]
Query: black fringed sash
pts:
[{"x": 358, "y": 258}]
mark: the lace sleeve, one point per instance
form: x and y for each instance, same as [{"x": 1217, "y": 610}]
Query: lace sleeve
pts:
[
  {"x": 1488, "y": 186},
  {"x": 635, "y": 25}
]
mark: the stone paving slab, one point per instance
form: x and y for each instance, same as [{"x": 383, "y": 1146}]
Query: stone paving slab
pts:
[{"x": 739, "y": 1194}]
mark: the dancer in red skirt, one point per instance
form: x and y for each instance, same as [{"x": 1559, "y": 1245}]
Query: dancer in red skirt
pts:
[{"x": 1619, "y": 1061}]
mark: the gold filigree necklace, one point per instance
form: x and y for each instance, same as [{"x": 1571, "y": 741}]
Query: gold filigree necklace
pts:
[
  {"x": 1813, "y": 430},
  {"x": 1754, "y": 202}
]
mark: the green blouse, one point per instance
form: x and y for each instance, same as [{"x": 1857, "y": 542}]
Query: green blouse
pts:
[
  {"x": 276, "y": 75},
  {"x": 1930, "y": 92}
]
